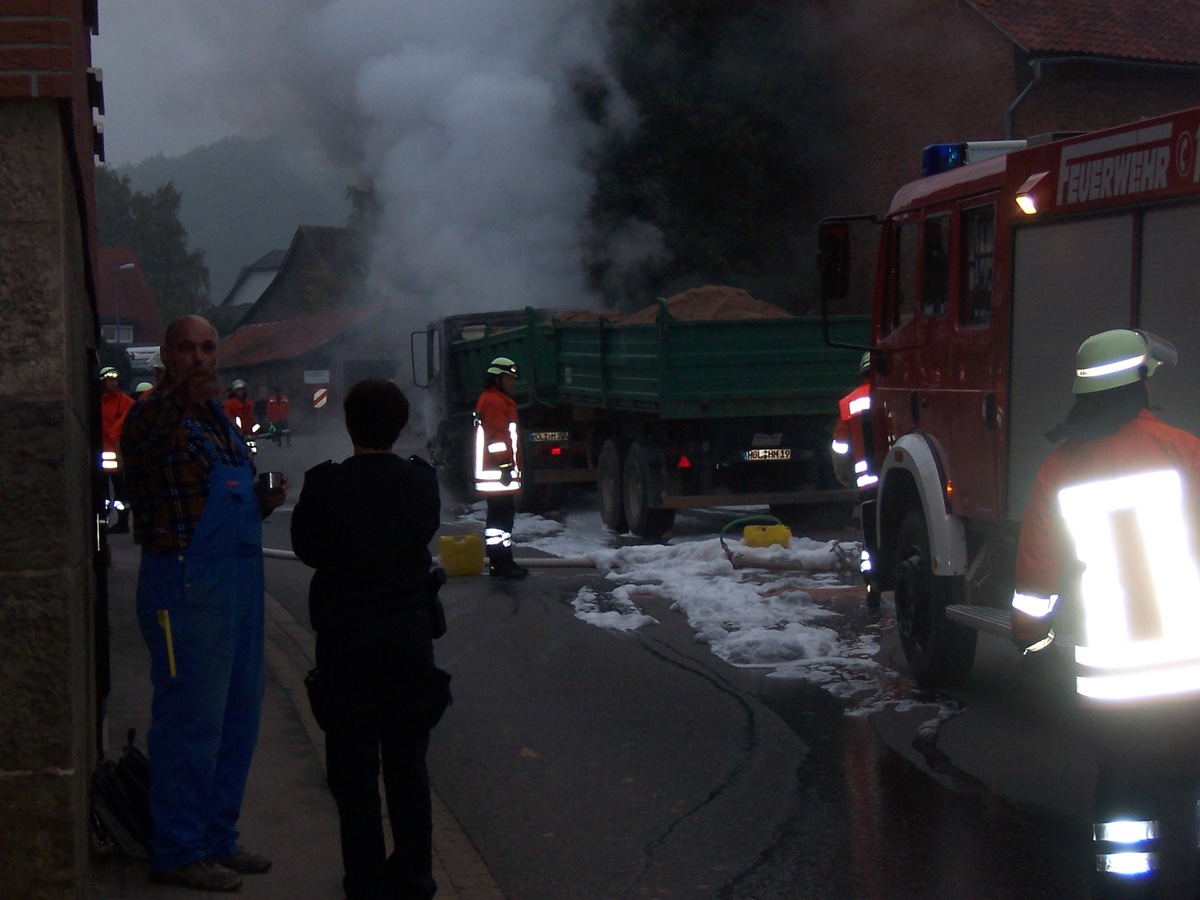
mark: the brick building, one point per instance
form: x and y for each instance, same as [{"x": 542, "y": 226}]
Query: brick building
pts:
[
  {"x": 903, "y": 74},
  {"x": 49, "y": 595}
]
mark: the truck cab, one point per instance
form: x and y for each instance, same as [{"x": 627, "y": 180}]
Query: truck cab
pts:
[{"x": 989, "y": 274}]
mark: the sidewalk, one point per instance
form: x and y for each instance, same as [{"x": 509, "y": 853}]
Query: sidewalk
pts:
[{"x": 288, "y": 812}]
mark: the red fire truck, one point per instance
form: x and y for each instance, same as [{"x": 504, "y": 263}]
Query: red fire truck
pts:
[{"x": 991, "y": 270}]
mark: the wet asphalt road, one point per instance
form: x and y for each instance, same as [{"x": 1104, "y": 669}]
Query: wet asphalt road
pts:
[{"x": 584, "y": 763}]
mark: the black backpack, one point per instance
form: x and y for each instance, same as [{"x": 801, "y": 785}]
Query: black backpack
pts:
[{"x": 121, "y": 801}]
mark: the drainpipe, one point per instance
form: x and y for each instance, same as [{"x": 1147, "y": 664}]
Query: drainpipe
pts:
[{"x": 1010, "y": 113}]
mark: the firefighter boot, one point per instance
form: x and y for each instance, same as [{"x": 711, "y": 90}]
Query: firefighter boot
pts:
[
  {"x": 504, "y": 566},
  {"x": 122, "y": 526}
]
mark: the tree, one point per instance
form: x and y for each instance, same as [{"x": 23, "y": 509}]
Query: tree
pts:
[
  {"x": 149, "y": 225},
  {"x": 719, "y": 163}
]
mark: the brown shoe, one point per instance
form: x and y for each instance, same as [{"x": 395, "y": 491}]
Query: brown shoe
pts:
[
  {"x": 245, "y": 863},
  {"x": 202, "y": 875}
]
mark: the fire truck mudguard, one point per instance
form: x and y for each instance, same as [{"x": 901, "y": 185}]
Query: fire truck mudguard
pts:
[{"x": 912, "y": 467}]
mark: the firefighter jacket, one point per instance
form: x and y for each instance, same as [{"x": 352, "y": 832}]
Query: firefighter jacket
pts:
[
  {"x": 1112, "y": 523},
  {"x": 852, "y": 436},
  {"x": 497, "y": 446},
  {"x": 114, "y": 406},
  {"x": 241, "y": 411}
]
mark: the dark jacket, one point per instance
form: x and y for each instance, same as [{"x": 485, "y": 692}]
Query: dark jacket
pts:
[{"x": 365, "y": 525}]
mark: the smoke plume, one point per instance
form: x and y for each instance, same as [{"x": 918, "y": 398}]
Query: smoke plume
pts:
[{"x": 464, "y": 115}]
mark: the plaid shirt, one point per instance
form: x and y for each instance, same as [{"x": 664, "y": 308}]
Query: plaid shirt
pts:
[{"x": 168, "y": 467}]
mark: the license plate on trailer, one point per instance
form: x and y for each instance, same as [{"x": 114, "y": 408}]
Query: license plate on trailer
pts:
[
  {"x": 771, "y": 453},
  {"x": 543, "y": 437}
]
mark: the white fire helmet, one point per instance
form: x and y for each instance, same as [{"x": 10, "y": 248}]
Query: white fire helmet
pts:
[
  {"x": 1115, "y": 358},
  {"x": 502, "y": 365}
]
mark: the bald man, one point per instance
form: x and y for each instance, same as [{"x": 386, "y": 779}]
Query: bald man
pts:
[{"x": 197, "y": 514}]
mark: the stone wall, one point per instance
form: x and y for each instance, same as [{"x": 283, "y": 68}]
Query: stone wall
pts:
[{"x": 47, "y": 330}]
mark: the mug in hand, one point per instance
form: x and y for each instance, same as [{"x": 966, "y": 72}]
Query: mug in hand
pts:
[{"x": 270, "y": 481}]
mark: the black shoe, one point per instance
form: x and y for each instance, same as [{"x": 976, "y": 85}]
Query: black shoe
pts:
[{"x": 508, "y": 570}]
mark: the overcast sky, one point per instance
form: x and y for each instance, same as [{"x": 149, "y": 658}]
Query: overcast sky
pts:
[
  {"x": 461, "y": 113},
  {"x": 152, "y": 62}
]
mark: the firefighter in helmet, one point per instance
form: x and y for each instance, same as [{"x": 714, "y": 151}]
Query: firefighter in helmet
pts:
[
  {"x": 498, "y": 464},
  {"x": 240, "y": 410},
  {"x": 1107, "y": 554},
  {"x": 114, "y": 406},
  {"x": 1116, "y": 456}
]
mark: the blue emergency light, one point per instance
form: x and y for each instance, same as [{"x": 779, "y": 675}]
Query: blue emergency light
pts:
[{"x": 943, "y": 157}]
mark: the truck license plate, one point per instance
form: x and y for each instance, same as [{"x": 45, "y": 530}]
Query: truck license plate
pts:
[
  {"x": 539, "y": 437},
  {"x": 772, "y": 453}
]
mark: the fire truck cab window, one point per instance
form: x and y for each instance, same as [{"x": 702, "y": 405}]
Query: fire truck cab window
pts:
[
  {"x": 978, "y": 243},
  {"x": 935, "y": 266},
  {"x": 903, "y": 297}
]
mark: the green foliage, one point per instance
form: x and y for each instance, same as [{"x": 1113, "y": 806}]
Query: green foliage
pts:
[
  {"x": 149, "y": 225},
  {"x": 720, "y": 158},
  {"x": 243, "y": 198}
]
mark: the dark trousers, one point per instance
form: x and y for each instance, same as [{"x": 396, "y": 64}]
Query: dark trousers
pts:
[
  {"x": 501, "y": 514},
  {"x": 365, "y": 664},
  {"x": 1146, "y": 772}
]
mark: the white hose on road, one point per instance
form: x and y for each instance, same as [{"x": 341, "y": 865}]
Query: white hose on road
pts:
[{"x": 538, "y": 562}]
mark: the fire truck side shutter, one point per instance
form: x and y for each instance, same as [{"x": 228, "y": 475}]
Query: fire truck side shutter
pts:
[
  {"x": 1171, "y": 306},
  {"x": 1070, "y": 280}
]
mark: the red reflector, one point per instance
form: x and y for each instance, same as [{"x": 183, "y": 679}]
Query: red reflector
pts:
[
  {"x": 684, "y": 463},
  {"x": 556, "y": 451}
]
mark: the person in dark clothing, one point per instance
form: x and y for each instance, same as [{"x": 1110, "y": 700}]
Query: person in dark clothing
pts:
[{"x": 365, "y": 525}]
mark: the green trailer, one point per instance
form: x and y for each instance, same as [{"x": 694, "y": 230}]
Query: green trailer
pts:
[{"x": 664, "y": 415}]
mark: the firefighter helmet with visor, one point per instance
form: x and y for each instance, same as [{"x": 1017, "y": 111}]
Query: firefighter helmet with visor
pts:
[
  {"x": 502, "y": 365},
  {"x": 1112, "y": 359}
]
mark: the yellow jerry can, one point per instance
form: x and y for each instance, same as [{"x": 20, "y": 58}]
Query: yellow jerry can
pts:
[
  {"x": 461, "y": 554},
  {"x": 766, "y": 535}
]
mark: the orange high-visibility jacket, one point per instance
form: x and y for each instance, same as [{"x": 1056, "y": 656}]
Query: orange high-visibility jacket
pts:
[
  {"x": 241, "y": 409},
  {"x": 496, "y": 442},
  {"x": 114, "y": 406},
  {"x": 1145, "y": 444}
]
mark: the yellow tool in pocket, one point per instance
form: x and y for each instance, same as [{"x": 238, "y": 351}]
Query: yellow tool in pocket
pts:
[{"x": 164, "y": 619}]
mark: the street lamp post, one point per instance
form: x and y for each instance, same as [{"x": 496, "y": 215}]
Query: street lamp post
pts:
[{"x": 117, "y": 296}]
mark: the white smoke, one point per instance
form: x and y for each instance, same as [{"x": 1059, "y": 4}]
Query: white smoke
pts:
[{"x": 463, "y": 115}]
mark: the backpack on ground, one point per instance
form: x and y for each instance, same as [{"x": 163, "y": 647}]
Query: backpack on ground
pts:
[{"x": 121, "y": 801}]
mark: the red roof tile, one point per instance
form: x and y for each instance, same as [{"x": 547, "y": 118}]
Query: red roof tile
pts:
[
  {"x": 272, "y": 341},
  {"x": 1165, "y": 31}
]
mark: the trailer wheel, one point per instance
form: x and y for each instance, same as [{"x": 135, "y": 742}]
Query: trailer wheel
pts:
[
  {"x": 641, "y": 487},
  {"x": 609, "y": 483},
  {"x": 939, "y": 652}
]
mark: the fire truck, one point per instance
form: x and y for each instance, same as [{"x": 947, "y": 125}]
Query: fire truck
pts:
[{"x": 991, "y": 269}]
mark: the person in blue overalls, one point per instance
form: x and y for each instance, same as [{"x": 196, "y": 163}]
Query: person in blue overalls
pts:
[{"x": 198, "y": 515}]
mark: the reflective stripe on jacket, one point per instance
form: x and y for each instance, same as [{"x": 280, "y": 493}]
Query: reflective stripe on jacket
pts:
[
  {"x": 497, "y": 444},
  {"x": 1112, "y": 522}
]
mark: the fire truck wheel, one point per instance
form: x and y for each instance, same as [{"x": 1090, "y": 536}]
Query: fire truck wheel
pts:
[
  {"x": 609, "y": 485},
  {"x": 939, "y": 652},
  {"x": 642, "y": 479}
]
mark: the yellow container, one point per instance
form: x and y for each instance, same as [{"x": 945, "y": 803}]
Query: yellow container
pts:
[
  {"x": 461, "y": 554},
  {"x": 766, "y": 535}
]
